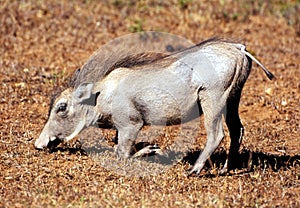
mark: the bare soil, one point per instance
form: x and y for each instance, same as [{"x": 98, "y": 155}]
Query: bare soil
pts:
[{"x": 43, "y": 42}]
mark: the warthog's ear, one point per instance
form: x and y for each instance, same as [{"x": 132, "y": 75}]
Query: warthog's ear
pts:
[{"x": 83, "y": 92}]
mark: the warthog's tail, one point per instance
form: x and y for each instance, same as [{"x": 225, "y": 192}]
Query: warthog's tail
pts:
[{"x": 244, "y": 51}]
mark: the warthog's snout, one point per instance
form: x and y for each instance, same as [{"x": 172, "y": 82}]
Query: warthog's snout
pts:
[
  {"x": 44, "y": 140},
  {"x": 40, "y": 143},
  {"x": 49, "y": 143}
]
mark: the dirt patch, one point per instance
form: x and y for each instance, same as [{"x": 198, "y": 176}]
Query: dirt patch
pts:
[{"x": 43, "y": 42}]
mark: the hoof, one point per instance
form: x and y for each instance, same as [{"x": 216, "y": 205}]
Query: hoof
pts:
[
  {"x": 193, "y": 170},
  {"x": 148, "y": 150}
]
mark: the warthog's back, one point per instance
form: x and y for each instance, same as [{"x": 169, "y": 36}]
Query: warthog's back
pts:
[
  {"x": 100, "y": 65},
  {"x": 117, "y": 53}
]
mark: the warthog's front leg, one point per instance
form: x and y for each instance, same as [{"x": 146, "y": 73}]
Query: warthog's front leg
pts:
[
  {"x": 126, "y": 137},
  {"x": 128, "y": 127}
]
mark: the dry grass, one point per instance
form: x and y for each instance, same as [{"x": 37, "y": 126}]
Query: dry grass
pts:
[{"x": 42, "y": 42}]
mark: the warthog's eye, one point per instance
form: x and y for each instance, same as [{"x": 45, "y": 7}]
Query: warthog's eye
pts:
[{"x": 62, "y": 107}]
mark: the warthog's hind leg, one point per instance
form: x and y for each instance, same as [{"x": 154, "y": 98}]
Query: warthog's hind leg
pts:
[
  {"x": 236, "y": 130},
  {"x": 212, "y": 107}
]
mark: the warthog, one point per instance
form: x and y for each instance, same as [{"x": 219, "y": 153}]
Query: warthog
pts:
[{"x": 158, "y": 89}]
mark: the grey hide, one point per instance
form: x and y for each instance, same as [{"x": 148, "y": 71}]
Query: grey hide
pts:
[{"x": 157, "y": 89}]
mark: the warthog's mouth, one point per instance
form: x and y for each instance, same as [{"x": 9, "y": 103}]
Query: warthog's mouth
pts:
[{"x": 53, "y": 143}]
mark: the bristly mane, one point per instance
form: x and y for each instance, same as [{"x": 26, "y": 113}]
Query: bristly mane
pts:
[
  {"x": 143, "y": 59},
  {"x": 210, "y": 40},
  {"x": 97, "y": 67}
]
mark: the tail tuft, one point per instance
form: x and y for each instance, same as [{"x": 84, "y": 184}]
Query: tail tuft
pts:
[{"x": 270, "y": 75}]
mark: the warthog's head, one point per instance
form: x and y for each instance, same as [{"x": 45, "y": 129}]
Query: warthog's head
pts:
[{"x": 70, "y": 112}]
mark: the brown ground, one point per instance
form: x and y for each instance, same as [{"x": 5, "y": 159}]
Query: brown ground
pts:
[{"x": 42, "y": 42}]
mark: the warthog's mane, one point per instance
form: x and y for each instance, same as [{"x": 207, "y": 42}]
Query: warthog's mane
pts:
[
  {"x": 97, "y": 67},
  {"x": 150, "y": 59},
  {"x": 136, "y": 61}
]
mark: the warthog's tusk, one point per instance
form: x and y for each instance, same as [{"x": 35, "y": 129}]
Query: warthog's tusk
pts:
[{"x": 78, "y": 129}]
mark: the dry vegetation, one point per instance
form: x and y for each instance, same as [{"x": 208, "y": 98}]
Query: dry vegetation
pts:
[{"x": 42, "y": 42}]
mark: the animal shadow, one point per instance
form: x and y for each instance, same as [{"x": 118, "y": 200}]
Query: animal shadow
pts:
[{"x": 247, "y": 160}]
